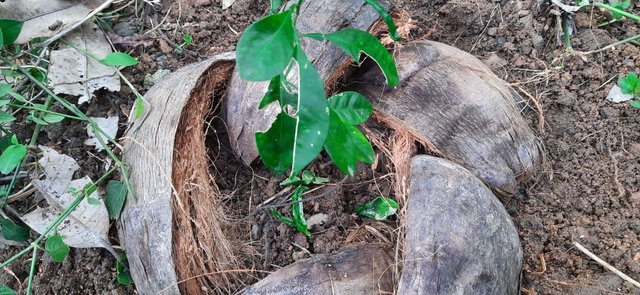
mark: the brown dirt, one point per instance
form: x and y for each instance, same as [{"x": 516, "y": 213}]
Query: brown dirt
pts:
[{"x": 587, "y": 191}]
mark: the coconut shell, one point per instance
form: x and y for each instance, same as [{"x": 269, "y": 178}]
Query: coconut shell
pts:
[
  {"x": 459, "y": 238},
  {"x": 174, "y": 222},
  {"x": 319, "y": 16},
  {"x": 452, "y": 101},
  {"x": 365, "y": 269}
]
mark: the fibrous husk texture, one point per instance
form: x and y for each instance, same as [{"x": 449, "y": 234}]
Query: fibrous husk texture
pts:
[
  {"x": 173, "y": 230},
  {"x": 454, "y": 103}
]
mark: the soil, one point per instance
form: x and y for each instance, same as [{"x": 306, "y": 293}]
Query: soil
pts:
[{"x": 587, "y": 191}]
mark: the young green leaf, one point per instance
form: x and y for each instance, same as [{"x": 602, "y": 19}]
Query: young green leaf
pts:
[
  {"x": 275, "y": 4},
  {"x": 4, "y": 89},
  {"x": 6, "y": 117},
  {"x": 9, "y": 30},
  {"x": 346, "y": 145},
  {"x": 393, "y": 33},
  {"x": 124, "y": 278},
  {"x": 308, "y": 177},
  {"x": 278, "y": 92},
  {"x": 379, "y": 209},
  {"x": 37, "y": 120},
  {"x": 115, "y": 197},
  {"x": 635, "y": 104},
  {"x": 187, "y": 39},
  {"x": 38, "y": 74},
  {"x": 139, "y": 107},
  {"x": 56, "y": 247},
  {"x": 18, "y": 96},
  {"x": 4, "y": 102},
  {"x": 297, "y": 211},
  {"x": 279, "y": 147},
  {"x": 12, "y": 231},
  {"x": 119, "y": 59},
  {"x": 52, "y": 118},
  {"x": 4, "y": 290},
  {"x": 266, "y": 47},
  {"x": 622, "y": 5},
  {"x": 93, "y": 201},
  {"x": 286, "y": 220},
  {"x": 354, "y": 41},
  {"x": 351, "y": 107},
  {"x": 11, "y": 157},
  {"x": 629, "y": 83}
]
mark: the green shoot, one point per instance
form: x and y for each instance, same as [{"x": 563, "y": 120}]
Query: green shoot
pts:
[
  {"x": 379, "y": 208},
  {"x": 630, "y": 84},
  {"x": 308, "y": 122}
]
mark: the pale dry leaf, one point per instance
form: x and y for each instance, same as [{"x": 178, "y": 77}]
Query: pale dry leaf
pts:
[
  {"x": 45, "y": 18},
  {"x": 88, "y": 224},
  {"x": 616, "y": 95},
  {"x": 109, "y": 125},
  {"x": 72, "y": 72},
  {"x": 227, "y": 3}
]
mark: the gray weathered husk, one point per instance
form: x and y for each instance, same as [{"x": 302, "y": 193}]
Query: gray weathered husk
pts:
[
  {"x": 147, "y": 222},
  {"x": 241, "y": 112},
  {"x": 364, "y": 269},
  {"x": 459, "y": 106},
  {"x": 459, "y": 239}
]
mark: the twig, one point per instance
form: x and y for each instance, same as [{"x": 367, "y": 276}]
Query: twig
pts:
[
  {"x": 338, "y": 185},
  {"x": 79, "y": 23},
  {"x": 606, "y": 265}
]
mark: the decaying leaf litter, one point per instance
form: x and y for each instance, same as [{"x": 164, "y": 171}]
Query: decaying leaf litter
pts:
[{"x": 512, "y": 60}]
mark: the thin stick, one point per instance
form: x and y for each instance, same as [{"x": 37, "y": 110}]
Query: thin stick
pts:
[
  {"x": 606, "y": 265},
  {"x": 79, "y": 23}
]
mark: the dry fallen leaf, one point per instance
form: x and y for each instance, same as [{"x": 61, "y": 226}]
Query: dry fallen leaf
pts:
[
  {"x": 88, "y": 225},
  {"x": 45, "y": 18},
  {"x": 109, "y": 125},
  {"x": 227, "y": 3},
  {"x": 72, "y": 72}
]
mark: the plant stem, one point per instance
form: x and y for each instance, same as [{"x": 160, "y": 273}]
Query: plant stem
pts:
[
  {"x": 32, "y": 271},
  {"x": 26, "y": 107},
  {"x": 83, "y": 116},
  {"x": 611, "y": 46},
  {"x": 36, "y": 131},
  {"x": 54, "y": 225},
  {"x": 616, "y": 10}
]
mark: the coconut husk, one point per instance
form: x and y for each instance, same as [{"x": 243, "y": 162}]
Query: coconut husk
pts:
[
  {"x": 173, "y": 231},
  {"x": 451, "y": 101}
]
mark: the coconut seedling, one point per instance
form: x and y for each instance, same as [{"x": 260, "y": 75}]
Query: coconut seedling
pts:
[{"x": 308, "y": 122}]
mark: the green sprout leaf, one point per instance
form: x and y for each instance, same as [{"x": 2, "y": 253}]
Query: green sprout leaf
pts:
[
  {"x": 52, "y": 118},
  {"x": 123, "y": 274},
  {"x": 119, "y": 59},
  {"x": 36, "y": 120},
  {"x": 297, "y": 211},
  {"x": 354, "y": 42},
  {"x": 635, "y": 104},
  {"x": 115, "y": 197},
  {"x": 286, "y": 220},
  {"x": 12, "y": 231},
  {"x": 294, "y": 141},
  {"x": 393, "y": 33},
  {"x": 622, "y": 5},
  {"x": 6, "y": 117},
  {"x": 278, "y": 92},
  {"x": 38, "y": 74},
  {"x": 56, "y": 247},
  {"x": 308, "y": 177},
  {"x": 275, "y": 4},
  {"x": 346, "y": 145},
  {"x": 187, "y": 39},
  {"x": 351, "y": 107},
  {"x": 266, "y": 47},
  {"x": 4, "y": 290},
  {"x": 379, "y": 208},
  {"x": 629, "y": 84},
  {"x": 139, "y": 107},
  {"x": 11, "y": 157},
  {"x": 9, "y": 31}
]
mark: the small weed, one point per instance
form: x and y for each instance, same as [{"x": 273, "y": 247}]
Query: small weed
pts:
[
  {"x": 379, "y": 208},
  {"x": 630, "y": 84}
]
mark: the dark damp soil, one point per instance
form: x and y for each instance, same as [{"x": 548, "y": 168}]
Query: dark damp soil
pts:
[{"x": 587, "y": 191}]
